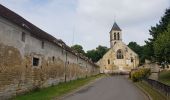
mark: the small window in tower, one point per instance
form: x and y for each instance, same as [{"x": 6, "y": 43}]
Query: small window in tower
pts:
[
  {"x": 114, "y": 36},
  {"x": 23, "y": 37},
  {"x": 35, "y": 61},
  {"x": 42, "y": 45},
  {"x": 118, "y": 36},
  {"x": 108, "y": 61}
]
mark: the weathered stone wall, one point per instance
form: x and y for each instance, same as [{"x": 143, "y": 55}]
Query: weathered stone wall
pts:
[{"x": 17, "y": 73}]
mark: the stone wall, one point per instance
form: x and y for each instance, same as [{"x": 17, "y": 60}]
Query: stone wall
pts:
[{"x": 34, "y": 62}]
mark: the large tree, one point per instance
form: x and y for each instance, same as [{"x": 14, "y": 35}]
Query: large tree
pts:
[
  {"x": 78, "y": 48},
  {"x": 135, "y": 47},
  {"x": 155, "y": 33},
  {"x": 97, "y": 53},
  {"x": 162, "y": 46}
]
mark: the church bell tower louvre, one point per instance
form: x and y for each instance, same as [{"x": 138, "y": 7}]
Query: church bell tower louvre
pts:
[{"x": 115, "y": 35}]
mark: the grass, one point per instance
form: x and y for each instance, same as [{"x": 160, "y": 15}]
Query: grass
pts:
[
  {"x": 164, "y": 77},
  {"x": 57, "y": 90},
  {"x": 155, "y": 95}
]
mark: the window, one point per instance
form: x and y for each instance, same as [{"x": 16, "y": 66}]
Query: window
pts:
[
  {"x": 35, "y": 61},
  {"x": 53, "y": 58},
  {"x": 119, "y": 54},
  {"x": 118, "y": 36},
  {"x": 114, "y": 36},
  {"x": 42, "y": 45},
  {"x": 131, "y": 59},
  {"x": 126, "y": 49},
  {"x": 62, "y": 51},
  {"x": 23, "y": 37},
  {"x": 108, "y": 61}
]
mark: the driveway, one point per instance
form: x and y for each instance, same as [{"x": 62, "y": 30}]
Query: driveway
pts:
[{"x": 109, "y": 88}]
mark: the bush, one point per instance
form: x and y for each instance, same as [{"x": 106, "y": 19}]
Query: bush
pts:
[{"x": 140, "y": 74}]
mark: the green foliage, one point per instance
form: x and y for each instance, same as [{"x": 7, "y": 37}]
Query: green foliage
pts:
[
  {"x": 144, "y": 52},
  {"x": 164, "y": 77},
  {"x": 136, "y": 48},
  {"x": 78, "y": 48},
  {"x": 140, "y": 74},
  {"x": 158, "y": 43},
  {"x": 162, "y": 46},
  {"x": 97, "y": 53}
]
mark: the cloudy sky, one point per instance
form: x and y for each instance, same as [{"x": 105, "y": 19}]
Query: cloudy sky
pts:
[{"x": 91, "y": 20}]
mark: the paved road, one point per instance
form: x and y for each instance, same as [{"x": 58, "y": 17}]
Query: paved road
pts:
[{"x": 109, "y": 88}]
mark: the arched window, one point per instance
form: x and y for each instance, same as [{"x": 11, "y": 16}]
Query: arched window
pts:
[
  {"x": 119, "y": 54},
  {"x": 118, "y": 36},
  {"x": 108, "y": 61},
  {"x": 114, "y": 36}
]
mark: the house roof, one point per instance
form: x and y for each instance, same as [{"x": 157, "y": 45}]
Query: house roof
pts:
[
  {"x": 34, "y": 30},
  {"x": 115, "y": 27}
]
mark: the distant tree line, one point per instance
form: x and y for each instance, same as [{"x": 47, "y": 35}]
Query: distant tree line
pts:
[{"x": 94, "y": 54}]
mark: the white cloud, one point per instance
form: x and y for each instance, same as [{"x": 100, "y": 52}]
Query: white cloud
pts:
[{"x": 92, "y": 19}]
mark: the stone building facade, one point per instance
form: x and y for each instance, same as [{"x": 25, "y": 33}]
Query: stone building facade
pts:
[
  {"x": 119, "y": 58},
  {"x": 31, "y": 58}
]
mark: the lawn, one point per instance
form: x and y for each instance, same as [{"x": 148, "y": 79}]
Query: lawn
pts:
[
  {"x": 155, "y": 95},
  {"x": 164, "y": 77},
  {"x": 56, "y": 91}
]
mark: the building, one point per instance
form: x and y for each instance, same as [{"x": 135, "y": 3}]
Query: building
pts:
[
  {"x": 119, "y": 58},
  {"x": 31, "y": 58}
]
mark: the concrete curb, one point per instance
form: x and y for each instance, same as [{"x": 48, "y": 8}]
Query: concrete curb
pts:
[
  {"x": 146, "y": 93},
  {"x": 78, "y": 89}
]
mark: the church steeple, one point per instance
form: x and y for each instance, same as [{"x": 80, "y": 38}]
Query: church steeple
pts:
[
  {"x": 115, "y": 34},
  {"x": 115, "y": 27}
]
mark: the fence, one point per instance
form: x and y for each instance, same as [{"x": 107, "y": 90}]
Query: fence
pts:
[{"x": 165, "y": 89}]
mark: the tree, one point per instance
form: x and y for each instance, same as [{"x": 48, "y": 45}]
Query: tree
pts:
[
  {"x": 135, "y": 47},
  {"x": 78, "y": 48},
  {"x": 162, "y": 46},
  {"x": 157, "y": 30},
  {"x": 97, "y": 54},
  {"x": 93, "y": 55}
]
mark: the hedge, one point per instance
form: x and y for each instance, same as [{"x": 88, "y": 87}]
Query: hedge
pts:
[{"x": 139, "y": 74}]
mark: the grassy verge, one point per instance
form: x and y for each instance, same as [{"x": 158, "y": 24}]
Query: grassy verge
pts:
[
  {"x": 153, "y": 93},
  {"x": 164, "y": 77},
  {"x": 56, "y": 91}
]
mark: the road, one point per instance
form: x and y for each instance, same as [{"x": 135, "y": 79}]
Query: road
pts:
[{"x": 109, "y": 88}]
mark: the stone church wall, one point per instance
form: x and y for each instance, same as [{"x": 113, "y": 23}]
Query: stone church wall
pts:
[{"x": 17, "y": 71}]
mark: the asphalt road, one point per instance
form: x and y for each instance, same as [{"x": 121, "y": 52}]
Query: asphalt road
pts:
[{"x": 109, "y": 88}]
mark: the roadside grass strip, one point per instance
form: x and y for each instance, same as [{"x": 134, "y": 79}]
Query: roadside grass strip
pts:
[
  {"x": 164, "y": 77},
  {"x": 57, "y": 90},
  {"x": 153, "y": 93}
]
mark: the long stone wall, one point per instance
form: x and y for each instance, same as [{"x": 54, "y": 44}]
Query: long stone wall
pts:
[{"x": 28, "y": 62}]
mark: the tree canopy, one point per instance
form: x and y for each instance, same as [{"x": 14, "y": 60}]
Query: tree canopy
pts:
[
  {"x": 159, "y": 44},
  {"x": 97, "y": 54},
  {"x": 78, "y": 48}
]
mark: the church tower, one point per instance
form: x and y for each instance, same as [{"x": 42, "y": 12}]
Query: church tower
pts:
[{"x": 115, "y": 35}]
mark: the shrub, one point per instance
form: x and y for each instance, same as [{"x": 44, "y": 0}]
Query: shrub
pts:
[{"x": 140, "y": 74}]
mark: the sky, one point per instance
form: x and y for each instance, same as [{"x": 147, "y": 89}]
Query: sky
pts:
[{"x": 88, "y": 22}]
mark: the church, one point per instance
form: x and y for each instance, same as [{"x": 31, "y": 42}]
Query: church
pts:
[{"x": 119, "y": 58}]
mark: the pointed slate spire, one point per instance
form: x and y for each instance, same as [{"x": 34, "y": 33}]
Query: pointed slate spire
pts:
[{"x": 115, "y": 27}]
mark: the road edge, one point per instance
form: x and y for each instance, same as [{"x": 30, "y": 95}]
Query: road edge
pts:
[
  {"x": 78, "y": 89},
  {"x": 146, "y": 93}
]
